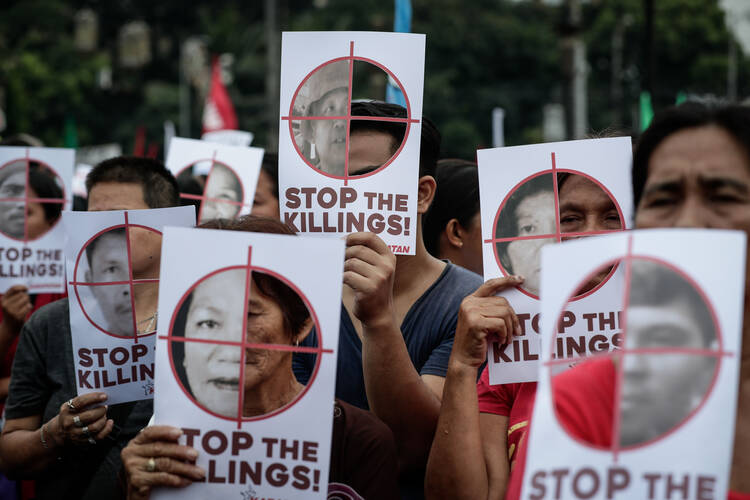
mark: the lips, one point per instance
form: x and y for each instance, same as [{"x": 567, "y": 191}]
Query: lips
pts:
[{"x": 225, "y": 383}]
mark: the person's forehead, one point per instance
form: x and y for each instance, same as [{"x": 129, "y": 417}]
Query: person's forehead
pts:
[
  {"x": 221, "y": 286},
  {"x": 644, "y": 318},
  {"x": 116, "y": 196},
  {"x": 696, "y": 151},
  {"x": 368, "y": 148},
  {"x": 110, "y": 245},
  {"x": 531, "y": 204}
]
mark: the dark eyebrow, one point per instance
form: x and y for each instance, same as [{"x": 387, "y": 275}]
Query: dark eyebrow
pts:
[
  {"x": 721, "y": 182},
  {"x": 666, "y": 186}
]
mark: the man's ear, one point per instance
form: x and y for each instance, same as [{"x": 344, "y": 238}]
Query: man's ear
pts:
[
  {"x": 425, "y": 193},
  {"x": 454, "y": 233},
  {"x": 304, "y": 331}
]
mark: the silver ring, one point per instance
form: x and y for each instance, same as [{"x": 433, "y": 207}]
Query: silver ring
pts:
[
  {"x": 92, "y": 440},
  {"x": 85, "y": 431},
  {"x": 71, "y": 405},
  {"x": 77, "y": 421},
  {"x": 151, "y": 465}
]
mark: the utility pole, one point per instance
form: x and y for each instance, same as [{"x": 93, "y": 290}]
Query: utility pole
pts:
[
  {"x": 273, "y": 68},
  {"x": 575, "y": 70}
]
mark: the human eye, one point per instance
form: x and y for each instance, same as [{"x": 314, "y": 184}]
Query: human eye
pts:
[
  {"x": 527, "y": 229},
  {"x": 207, "y": 324}
]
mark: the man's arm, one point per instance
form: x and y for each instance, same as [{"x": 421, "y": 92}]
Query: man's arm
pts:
[
  {"x": 468, "y": 457},
  {"x": 395, "y": 391}
]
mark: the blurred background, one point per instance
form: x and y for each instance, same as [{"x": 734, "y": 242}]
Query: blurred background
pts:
[{"x": 498, "y": 72}]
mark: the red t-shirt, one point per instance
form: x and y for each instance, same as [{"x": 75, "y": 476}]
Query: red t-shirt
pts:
[
  {"x": 584, "y": 402},
  {"x": 515, "y": 401}
]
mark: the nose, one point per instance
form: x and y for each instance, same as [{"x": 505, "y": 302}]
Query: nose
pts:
[
  {"x": 634, "y": 366},
  {"x": 691, "y": 213}
]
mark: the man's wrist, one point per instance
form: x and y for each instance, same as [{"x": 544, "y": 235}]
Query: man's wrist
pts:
[
  {"x": 378, "y": 324},
  {"x": 458, "y": 367}
]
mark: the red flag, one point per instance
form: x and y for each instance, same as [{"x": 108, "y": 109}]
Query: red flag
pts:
[{"x": 218, "y": 112}]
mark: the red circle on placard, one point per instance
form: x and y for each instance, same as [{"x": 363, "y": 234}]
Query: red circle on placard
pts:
[
  {"x": 407, "y": 121},
  {"x": 621, "y": 352},
  {"x": 203, "y": 198},
  {"x": 76, "y": 281},
  {"x": 316, "y": 326},
  {"x": 557, "y": 235}
]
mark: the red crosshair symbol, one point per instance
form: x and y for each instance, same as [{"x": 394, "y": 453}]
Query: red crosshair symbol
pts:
[
  {"x": 619, "y": 354},
  {"x": 27, "y": 197},
  {"x": 243, "y": 344},
  {"x": 130, "y": 282},
  {"x": 408, "y": 120},
  {"x": 558, "y": 235},
  {"x": 234, "y": 186}
]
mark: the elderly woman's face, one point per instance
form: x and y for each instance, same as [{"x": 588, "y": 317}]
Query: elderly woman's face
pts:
[
  {"x": 535, "y": 215},
  {"x": 223, "y": 193},
  {"x": 215, "y": 314}
]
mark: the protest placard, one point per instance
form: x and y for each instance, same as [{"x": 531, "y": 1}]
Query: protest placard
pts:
[
  {"x": 531, "y": 196},
  {"x": 231, "y": 174},
  {"x": 235, "y": 310},
  {"x": 654, "y": 418},
  {"x": 34, "y": 189},
  {"x": 113, "y": 277},
  {"x": 326, "y": 185},
  {"x": 229, "y": 137}
]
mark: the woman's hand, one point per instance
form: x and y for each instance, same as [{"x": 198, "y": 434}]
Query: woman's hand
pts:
[
  {"x": 154, "y": 458},
  {"x": 16, "y": 306},
  {"x": 80, "y": 421},
  {"x": 482, "y": 318}
]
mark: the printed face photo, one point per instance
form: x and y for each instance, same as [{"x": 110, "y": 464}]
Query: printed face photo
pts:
[
  {"x": 660, "y": 389},
  {"x": 21, "y": 217},
  {"x": 108, "y": 262},
  {"x": 324, "y": 94},
  {"x": 223, "y": 194},
  {"x": 210, "y": 365},
  {"x": 529, "y": 211}
]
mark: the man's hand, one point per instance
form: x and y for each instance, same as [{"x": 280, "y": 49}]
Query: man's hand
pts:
[
  {"x": 482, "y": 318},
  {"x": 81, "y": 421},
  {"x": 16, "y": 306},
  {"x": 368, "y": 269},
  {"x": 154, "y": 458}
]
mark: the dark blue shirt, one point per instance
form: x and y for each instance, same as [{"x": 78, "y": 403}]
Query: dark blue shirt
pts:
[{"x": 428, "y": 329}]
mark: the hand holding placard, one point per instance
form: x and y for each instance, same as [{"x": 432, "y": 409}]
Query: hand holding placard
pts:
[
  {"x": 368, "y": 269},
  {"x": 482, "y": 318}
]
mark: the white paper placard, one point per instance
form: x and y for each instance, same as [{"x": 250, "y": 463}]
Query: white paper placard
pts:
[
  {"x": 231, "y": 175},
  {"x": 671, "y": 405},
  {"x": 534, "y": 195},
  {"x": 229, "y": 137},
  {"x": 201, "y": 358},
  {"x": 106, "y": 254},
  {"x": 319, "y": 192},
  {"x": 32, "y": 238}
]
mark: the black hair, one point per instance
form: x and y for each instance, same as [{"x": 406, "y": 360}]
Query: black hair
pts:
[
  {"x": 160, "y": 188},
  {"x": 456, "y": 197},
  {"x": 429, "y": 149},
  {"x": 270, "y": 165},
  {"x": 734, "y": 119},
  {"x": 507, "y": 223},
  {"x": 91, "y": 247},
  {"x": 44, "y": 184},
  {"x": 656, "y": 285}
]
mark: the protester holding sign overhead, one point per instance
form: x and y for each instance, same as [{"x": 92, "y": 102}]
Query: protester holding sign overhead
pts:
[{"x": 74, "y": 442}]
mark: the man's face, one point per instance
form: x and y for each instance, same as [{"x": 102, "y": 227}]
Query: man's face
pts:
[
  {"x": 12, "y": 212},
  {"x": 109, "y": 263},
  {"x": 659, "y": 390},
  {"x": 266, "y": 202},
  {"x": 329, "y": 136},
  {"x": 223, "y": 192},
  {"x": 369, "y": 149},
  {"x": 145, "y": 245}
]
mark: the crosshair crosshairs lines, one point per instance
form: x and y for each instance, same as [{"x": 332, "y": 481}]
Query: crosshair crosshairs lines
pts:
[
  {"x": 534, "y": 214},
  {"x": 667, "y": 360},
  {"x": 219, "y": 357},
  {"x": 223, "y": 193},
  {"x": 21, "y": 180},
  {"x": 331, "y": 83},
  {"x": 104, "y": 282}
]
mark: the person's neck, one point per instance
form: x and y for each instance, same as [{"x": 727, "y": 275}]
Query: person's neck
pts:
[
  {"x": 273, "y": 393},
  {"x": 413, "y": 270}
]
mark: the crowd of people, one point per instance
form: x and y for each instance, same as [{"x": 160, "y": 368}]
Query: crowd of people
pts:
[{"x": 415, "y": 415}]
